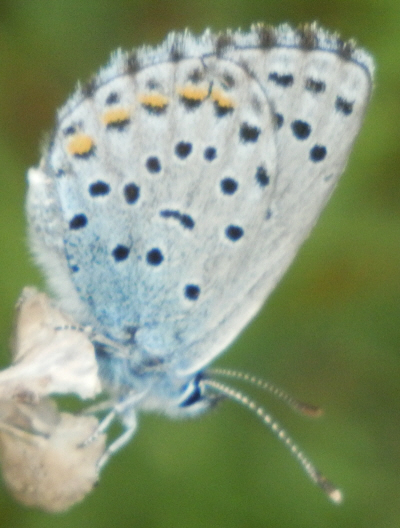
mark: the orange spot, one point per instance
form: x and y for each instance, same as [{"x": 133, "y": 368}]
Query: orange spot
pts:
[
  {"x": 80, "y": 145},
  {"x": 194, "y": 93},
  {"x": 154, "y": 100},
  {"x": 115, "y": 116},
  {"x": 220, "y": 97}
]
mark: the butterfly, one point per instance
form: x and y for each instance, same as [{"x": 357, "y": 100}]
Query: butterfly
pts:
[{"x": 175, "y": 191}]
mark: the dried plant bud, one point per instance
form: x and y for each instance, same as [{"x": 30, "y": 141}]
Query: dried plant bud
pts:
[
  {"x": 44, "y": 459},
  {"x": 51, "y": 354}
]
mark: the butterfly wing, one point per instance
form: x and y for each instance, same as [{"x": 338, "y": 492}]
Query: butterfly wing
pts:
[{"x": 181, "y": 184}]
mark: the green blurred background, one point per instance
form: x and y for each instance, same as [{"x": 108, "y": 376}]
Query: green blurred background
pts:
[{"x": 330, "y": 333}]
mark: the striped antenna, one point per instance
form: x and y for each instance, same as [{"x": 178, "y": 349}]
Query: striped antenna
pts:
[
  {"x": 333, "y": 493},
  {"x": 303, "y": 408}
]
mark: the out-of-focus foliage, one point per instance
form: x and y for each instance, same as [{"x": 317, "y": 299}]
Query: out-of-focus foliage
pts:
[{"x": 330, "y": 333}]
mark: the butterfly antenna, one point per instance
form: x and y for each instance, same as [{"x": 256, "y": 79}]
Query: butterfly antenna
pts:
[
  {"x": 301, "y": 407},
  {"x": 333, "y": 493}
]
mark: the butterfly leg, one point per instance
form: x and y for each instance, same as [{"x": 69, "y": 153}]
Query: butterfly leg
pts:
[
  {"x": 130, "y": 423},
  {"x": 125, "y": 409}
]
